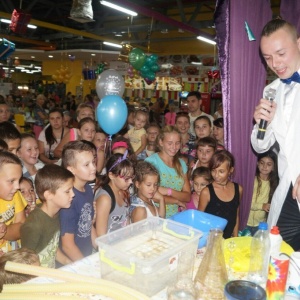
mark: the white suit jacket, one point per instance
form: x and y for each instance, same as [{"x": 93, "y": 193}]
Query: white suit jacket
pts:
[{"x": 287, "y": 134}]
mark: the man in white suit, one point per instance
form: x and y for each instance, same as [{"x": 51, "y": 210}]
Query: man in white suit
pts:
[{"x": 280, "y": 47}]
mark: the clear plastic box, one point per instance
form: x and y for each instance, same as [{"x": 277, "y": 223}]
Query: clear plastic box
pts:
[{"x": 144, "y": 255}]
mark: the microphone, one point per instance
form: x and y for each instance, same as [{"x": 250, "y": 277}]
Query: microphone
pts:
[{"x": 270, "y": 95}]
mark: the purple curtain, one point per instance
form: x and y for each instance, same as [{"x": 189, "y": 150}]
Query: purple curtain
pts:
[
  {"x": 243, "y": 78},
  {"x": 290, "y": 11}
]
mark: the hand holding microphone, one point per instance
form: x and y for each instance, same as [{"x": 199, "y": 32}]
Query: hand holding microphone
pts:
[{"x": 270, "y": 95}]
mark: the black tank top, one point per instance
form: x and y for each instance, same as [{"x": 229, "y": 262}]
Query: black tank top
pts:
[{"x": 226, "y": 210}]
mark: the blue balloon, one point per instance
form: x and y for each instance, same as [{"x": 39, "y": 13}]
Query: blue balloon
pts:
[{"x": 112, "y": 114}]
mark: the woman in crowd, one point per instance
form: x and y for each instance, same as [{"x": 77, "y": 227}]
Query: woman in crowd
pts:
[{"x": 51, "y": 136}]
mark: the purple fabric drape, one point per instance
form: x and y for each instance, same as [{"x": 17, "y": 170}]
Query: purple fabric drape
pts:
[
  {"x": 243, "y": 79},
  {"x": 290, "y": 11}
]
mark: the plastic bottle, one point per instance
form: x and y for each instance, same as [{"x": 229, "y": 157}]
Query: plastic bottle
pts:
[
  {"x": 275, "y": 241},
  {"x": 260, "y": 255}
]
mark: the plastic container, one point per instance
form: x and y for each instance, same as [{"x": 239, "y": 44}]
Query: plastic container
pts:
[
  {"x": 200, "y": 220},
  {"x": 144, "y": 255},
  {"x": 244, "y": 290},
  {"x": 260, "y": 255},
  {"x": 275, "y": 241}
]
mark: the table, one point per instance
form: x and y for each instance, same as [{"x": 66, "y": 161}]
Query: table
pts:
[{"x": 90, "y": 266}]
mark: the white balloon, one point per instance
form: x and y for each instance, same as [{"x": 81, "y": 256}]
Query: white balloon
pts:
[{"x": 110, "y": 82}]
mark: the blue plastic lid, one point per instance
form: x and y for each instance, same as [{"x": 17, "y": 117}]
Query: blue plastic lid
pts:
[{"x": 263, "y": 226}]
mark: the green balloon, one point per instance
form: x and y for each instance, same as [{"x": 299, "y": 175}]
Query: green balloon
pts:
[{"x": 137, "y": 58}]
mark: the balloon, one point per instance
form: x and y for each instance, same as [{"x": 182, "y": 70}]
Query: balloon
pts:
[
  {"x": 123, "y": 56},
  {"x": 137, "y": 58},
  {"x": 154, "y": 57},
  {"x": 110, "y": 82},
  {"x": 144, "y": 69},
  {"x": 112, "y": 113},
  {"x": 154, "y": 68},
  {"x": 148, "y": 81},
  {"x": 151, "y": 76},
  {"x": 148, "y": 61}
]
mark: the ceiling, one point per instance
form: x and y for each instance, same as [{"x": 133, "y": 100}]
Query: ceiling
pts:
[{"x": 164, "y": 27}]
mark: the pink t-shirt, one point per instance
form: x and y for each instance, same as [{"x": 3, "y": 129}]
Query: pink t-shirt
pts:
[
  {"x": 191, "y": 204},
  {"x": 170, "y": 118}
]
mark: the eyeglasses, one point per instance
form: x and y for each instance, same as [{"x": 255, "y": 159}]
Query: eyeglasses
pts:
[{"x": 127, "y": 178}]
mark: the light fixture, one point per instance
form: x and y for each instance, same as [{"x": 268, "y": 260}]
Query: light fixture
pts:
[
  {"x": 50, "y": 56},
  {"x": 196, "y": 63},
  {"x": 9, "y": 21},
  {"x": 93, "y": 54},
  {"x": 32, "y": 56},
  {"x": 5, "y": 21},
  {"x": 32, "y": 26},
  {"x": 120, "y": 8},
  {"x": 206, "y": 40},
  {"x": 112, "y": 44}
]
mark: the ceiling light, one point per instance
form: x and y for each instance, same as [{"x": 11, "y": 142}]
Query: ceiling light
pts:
[
  {"x": 50, "y": 56},
  {"x": 120, "y": 8},
  {"x": 118, "y": 34},
  {"x": 9, "y": 21},
  {"x": 16, "y": 57},
  {"x": 20, "y": 68},
  {"x": 206, "y": 40},
  {"x": 32, "y": 26},
  {"x": 32, "y": 56},
  {"x": 93, "y": 54},
  {"x": 112, "y": 44},
  {"x": 5, "y": 21},
  {"x": 196, "y": 63}
]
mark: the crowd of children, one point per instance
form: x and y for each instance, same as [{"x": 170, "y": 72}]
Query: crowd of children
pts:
[{"x": 86, "y": 185}]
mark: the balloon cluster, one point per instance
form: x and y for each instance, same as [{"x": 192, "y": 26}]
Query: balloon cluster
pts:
[
  {"x": 112, "y": 110},
  {"x": 100, "y": 68},
  {"x": 145, "y": 64},
  {"x": 62, "y": 75}
]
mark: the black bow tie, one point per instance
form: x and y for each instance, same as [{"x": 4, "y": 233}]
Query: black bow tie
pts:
[{"x": 295, "y": 77}]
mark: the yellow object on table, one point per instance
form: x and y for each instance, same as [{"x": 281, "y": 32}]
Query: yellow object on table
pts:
[{"x": 237, "y": 252}]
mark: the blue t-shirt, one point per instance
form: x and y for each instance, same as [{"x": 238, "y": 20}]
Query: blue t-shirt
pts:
[
  {"x": 78, "y": 218},
  {"x": 168, "y": 178}
]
